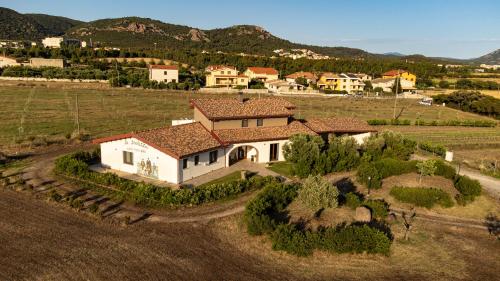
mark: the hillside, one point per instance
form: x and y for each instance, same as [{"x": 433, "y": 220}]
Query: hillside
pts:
[
  {"x": 144, "y": 33},
  {"x": 16, "y": 26},
  {"x": 491, "y": 58}
]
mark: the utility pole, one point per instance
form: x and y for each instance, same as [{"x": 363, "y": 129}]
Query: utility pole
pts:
[
  {"x": 77, "y": 116},
  {"x": 116, "y": 67},
  {"x": 396, "y": 96}
]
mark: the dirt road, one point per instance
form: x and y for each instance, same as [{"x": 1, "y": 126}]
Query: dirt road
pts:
[{"x": 490, "y": 184}]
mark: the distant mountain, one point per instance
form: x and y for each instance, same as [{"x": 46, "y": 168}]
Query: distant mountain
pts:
[
  {"x": 491, "y": 58},
  {"x": 394, "y": 54},
  {"x": 144, "y": 33},
  {"x": 16, "y": 26}
]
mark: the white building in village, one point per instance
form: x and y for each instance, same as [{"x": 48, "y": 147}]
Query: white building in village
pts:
[
  {"x": 224, "y": 132},
  {"x": 164, "y": 73}
]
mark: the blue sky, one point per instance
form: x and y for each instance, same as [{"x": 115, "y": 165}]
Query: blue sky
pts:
[{"x": 447, "y": 28}]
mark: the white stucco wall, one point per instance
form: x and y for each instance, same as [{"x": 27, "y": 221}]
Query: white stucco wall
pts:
[
  {"x": 160, "y": 76},
  {"x": 263, "y": 150},
  {"x": 203, "y": 167},
  {"x": 163, "y": 166},
  {"x": 360, "y": 138}
]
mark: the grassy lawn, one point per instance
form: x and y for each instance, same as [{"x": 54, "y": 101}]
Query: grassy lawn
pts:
[
  {"x": 50, "y": 112},
  {"x": 234, "y": 176},
  {"x": 283, "y": 168}
]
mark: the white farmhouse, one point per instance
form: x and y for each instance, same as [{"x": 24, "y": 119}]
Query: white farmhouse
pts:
[
  {"x": 224, "y": 132},
  {"x": 164, "y": 73},
  {"x": 387, "y": 83},
  {"x": 52, "y": 42}
]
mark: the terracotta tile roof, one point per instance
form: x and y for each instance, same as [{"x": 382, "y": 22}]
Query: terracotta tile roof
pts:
[
  {"x": 240, "y": 135},
  {"x": 394, "y": 72},
  {"x": 233, "y": 108},
  {"x": 263, "y": 70},
  {"x": 307, "y": 75},
  {"x": 218, "y": 67},
  {"x": 177, "y": 141},
  {"x": 157, "y": 66},
  {"x": 339, "y": 125}
]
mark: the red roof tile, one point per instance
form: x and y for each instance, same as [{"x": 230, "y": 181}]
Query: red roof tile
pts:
[
  {"x": 394, "y": 72},
  {"x": 233, "y": 108},
  {"x": 307, "y": 75},
  {"x": 241, "y": 135},
  {"x": 263, "y": 70},
  {"x": 158, "y": 66},
  {"x": 177, "y": 141},
  {"x": 339, "y": 125}
]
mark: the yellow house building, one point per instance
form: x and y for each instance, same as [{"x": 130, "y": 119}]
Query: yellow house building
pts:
[
  {"x": 341, "y": 82},
  {"x": 224, "y": 76},
  {"x": 262, "y": 73},
  {"x": 401, "y": 73}
]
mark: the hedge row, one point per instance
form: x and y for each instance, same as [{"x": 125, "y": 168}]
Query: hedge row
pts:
[
  {"x": 406, "y": 122},
  {"x": 437, "y": 149},
  {"x": 379, "y": 208},
  {"x": 76, "y": 165},
  {"x": 372, "y": 173},
  {"x": 261, "y": 216},
  {"x": 342, "y": 239},
  {"x": 422, "y": 197}
]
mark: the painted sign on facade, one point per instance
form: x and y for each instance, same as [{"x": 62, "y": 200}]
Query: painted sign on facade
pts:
[{"x": 147, "y": 168}]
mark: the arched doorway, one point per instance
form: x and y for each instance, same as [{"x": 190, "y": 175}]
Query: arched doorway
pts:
[{"x": 244, "y": 152}]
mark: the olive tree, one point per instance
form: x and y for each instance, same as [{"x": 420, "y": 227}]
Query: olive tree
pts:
[
  {"x": 426, "y": 168},
  {"x": 318, "y": 193}
]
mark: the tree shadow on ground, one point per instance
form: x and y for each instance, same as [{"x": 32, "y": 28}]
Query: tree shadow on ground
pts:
[
  {"x": 144, "y": 216},
  {"x": 112, "y": 209},
  {"x": 493, "y": 225}
]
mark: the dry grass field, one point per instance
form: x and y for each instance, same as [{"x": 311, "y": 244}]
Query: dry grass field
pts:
[
  {"x": 430, "y": 93},
  {"x": 46, "y": 112}
]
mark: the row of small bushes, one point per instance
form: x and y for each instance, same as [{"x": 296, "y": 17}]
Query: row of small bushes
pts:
[
  {"x": 437, "y": 149},
  {"x": 396, "y": 122},
  {"x": 422, "y": 197},
  {"x": 372, "y": 173},
  {"x": 352, "y": 238},
  {"x": 261, "y": 217},
  {"x": 77, "y": 165},
  {"x": 406, "y": 122}
]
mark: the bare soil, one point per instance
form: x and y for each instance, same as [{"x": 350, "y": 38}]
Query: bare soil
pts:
[{"x": 43, "y": 241}]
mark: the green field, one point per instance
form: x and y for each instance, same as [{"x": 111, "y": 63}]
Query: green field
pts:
[{"x": 30, "y": 113}]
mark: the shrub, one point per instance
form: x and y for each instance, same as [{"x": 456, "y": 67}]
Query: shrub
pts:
[
  {"x": 288, "y": 238},
  {"x": 426, "y": 168},
  {"x": 352, "y": 200},
  {"x": 354, "y": 239},
  {"x": 379, "y": 208},
  {"x": 55, "y": 196},
  {"x": 388, "y": 145},
  {"x": 369, "y": 175},
  {"x": 317, "y": 193},
  {"x": 445, "y": 170},
  {"x": 391, "y": 167},
  {"x": 433, "y": 148},
  {"x": 93, "y": 208},
  {"x": 469, "y": 189},
  {"x": 273, "y": 198},
  {"x": 422, "y": 197}
]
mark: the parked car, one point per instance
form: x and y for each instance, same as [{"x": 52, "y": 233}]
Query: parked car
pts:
[{"x": 426, "y": 101}]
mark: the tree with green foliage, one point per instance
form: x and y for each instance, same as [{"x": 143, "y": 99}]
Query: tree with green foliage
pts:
[
  {"x": 426, "y": 168},
  {"x": 304, "y": 152},
  {"x": 318, "y": 193},
  {"x": 443, "y": 84},
  {"x": 302, "y": 81},
  {"x": 256, "y": 84}
]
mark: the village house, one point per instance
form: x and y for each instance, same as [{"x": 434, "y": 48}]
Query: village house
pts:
[
  {"x": 225, "y": 76},
  {"x": 363, "y": 76},
  {"x": 310, "y": 77},
  {"x": 388, "y": 83},
  {"x": 164, "y": 73},
  {"x": 262, "y": 73},
  {"x": 52, "y": 42},
  {"x": 223, "y": 132},
  {"x": 349, "y": 83},
  {"x": 280, "y": 86},
  {"x": 401, "y": 73}
]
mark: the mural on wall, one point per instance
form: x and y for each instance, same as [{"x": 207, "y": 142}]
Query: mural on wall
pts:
[{"x": 147, "y": 168}]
